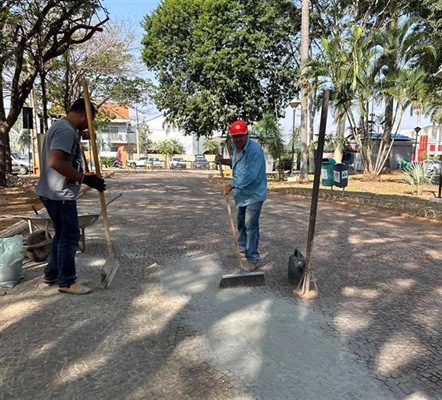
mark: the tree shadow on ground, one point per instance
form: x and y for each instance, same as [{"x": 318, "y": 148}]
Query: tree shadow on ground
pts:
[{"x": 164, "y": 330}]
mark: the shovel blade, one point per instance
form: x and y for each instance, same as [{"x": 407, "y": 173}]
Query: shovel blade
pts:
[{"x": 108, "y": 272}]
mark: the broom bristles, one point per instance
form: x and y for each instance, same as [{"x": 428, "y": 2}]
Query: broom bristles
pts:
[{"x": 235, "y": 280}]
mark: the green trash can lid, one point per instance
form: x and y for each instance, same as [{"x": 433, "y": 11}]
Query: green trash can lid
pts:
[{"x": 328, "y": 160}]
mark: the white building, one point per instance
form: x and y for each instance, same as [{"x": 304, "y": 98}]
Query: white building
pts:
[
  {"x": 427, "y": 139},
  {"x": 162, "y": 131},
  {"x": 118, "y": 132}
]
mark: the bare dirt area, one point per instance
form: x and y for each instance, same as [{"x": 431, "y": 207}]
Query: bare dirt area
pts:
[{"x": 18, "y": 199}]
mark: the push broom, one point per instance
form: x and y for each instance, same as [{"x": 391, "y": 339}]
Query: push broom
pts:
[
  {"x": 111, "y": 265},
  {"x": 240, "y": 279}
]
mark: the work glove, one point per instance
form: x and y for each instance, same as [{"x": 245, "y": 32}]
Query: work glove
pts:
[{"x": 95, "y": 182}]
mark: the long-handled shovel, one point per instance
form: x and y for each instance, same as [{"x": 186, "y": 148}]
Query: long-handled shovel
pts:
[
  {"x": 303, "y": 290},
  {"x": 111, "y": 265}
]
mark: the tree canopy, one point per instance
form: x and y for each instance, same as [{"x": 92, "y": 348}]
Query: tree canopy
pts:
[
  {"x": 377, "y": 54},
  {"x": 220, "y": 60},
  {"x": 106, "y": 61},
  {"x": 33, "y": 32}
]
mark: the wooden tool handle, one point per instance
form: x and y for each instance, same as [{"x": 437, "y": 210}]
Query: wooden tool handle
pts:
[
  {"x": 232, "y": 223},
  {"x": 91, "y": 130}
]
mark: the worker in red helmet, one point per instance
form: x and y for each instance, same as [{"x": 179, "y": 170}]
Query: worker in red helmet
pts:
[{"x": 249, "y": 185}]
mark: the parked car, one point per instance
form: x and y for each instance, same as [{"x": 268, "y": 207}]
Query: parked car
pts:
[
  {"x": 156, "y": 162},
  {"x": 201, "y": 162},
  {"x": 433, "y": 165},
  {"x": 20, "y": 164},
  {"x": 177, "y": 163},
  {"x": 145, "y": 162}
]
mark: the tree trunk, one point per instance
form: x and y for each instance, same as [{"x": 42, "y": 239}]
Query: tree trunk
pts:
[
  {"x": 388, "y": 129},
  {"x": 339, "y": 141},
  {"x": 6, "y": 123},
  {"x": 44, "y": 100},
  {"x": 303, "y": 177},
  {"x": 3, "y": 155}
]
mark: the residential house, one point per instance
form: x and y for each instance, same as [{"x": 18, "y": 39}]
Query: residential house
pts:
[
  {"x": 160, "y": 131},
  {"x": 115, "y": 136}
]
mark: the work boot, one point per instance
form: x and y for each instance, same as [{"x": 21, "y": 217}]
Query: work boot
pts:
[
  {"x": 250, "y": 265},
  {"x": 75, "y": 288}
]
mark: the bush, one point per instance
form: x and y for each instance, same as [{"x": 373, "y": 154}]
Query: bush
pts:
[
  {"x": 416, "y": 175},
  {"x": 107, "y": 161}
]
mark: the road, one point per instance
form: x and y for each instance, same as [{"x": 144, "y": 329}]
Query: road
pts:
[{"x": 164, "y": 330}]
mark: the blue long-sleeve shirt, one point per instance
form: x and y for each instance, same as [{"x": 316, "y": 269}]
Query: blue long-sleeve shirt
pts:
[{"x": 249, "y": 174}]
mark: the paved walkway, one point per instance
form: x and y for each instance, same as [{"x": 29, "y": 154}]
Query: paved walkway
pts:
[{"x": 164, "y": 330}]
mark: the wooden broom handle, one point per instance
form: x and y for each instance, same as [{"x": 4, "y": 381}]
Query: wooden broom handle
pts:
[
  {"x": 91, "y": 130},
  {"x": 229, "y": 212}
]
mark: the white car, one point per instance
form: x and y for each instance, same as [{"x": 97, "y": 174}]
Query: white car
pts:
[
  {"x": 20, "y": 164},
  {"x": 177, "y": 163},
  {"x": 145, "y": 162},
  {"x": 433, "y": 165}
]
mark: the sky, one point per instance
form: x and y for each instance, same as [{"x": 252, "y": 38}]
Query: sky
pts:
[{"x": 135, "y": 10}]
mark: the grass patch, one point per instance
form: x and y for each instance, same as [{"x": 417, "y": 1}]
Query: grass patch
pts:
[{"x": 390, "y": 193}]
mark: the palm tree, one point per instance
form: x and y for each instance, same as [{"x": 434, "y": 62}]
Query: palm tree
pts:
[
  {"x": 335, "y": 70},
  {"x": 169, "y": 147},
  {"x": 211, "y": 146},
  {"x": 177, "y": 146},
  {"x": 305, "y": 45},
  {"x": 270, "y": 137},
  {"x": 400, "y": 80},
  {"x": 345, "y": 68}
]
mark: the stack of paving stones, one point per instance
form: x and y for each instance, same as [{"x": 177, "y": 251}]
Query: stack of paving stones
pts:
[{"x": 380, "y": 298}]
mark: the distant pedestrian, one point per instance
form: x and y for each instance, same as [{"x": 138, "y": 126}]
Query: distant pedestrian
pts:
[
  {"x": 58, "y": 188},
  {"x": 249, "y": 185}
]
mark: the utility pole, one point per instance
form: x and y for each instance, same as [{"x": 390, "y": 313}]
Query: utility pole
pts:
[
  {"x": 294, "y": 104},
  {"x": 34, "y": 145},
  {"x": 137, "y": 139}
]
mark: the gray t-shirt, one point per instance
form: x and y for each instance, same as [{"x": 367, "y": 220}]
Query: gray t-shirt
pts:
[{"x": 60, "y": 136}]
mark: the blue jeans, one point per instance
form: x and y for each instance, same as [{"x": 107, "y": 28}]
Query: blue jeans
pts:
[
  {"x": 248, "y": 230},
  {"x": 64, "y": 244}
]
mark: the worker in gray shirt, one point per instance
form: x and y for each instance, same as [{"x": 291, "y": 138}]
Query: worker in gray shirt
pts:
[{"x": 59, "y": 188}]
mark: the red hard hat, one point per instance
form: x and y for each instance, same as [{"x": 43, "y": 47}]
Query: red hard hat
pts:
[{"x": 238, "y": 128}]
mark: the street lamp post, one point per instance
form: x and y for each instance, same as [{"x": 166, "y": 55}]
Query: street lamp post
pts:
[
  {"x": 417, "y": 130},
  {"x": 294, "y": 104}
]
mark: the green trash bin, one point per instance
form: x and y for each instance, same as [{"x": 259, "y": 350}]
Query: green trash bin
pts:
[
  {"x": 327, "y": 173},
  {"x": 404, "y": 164}
]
